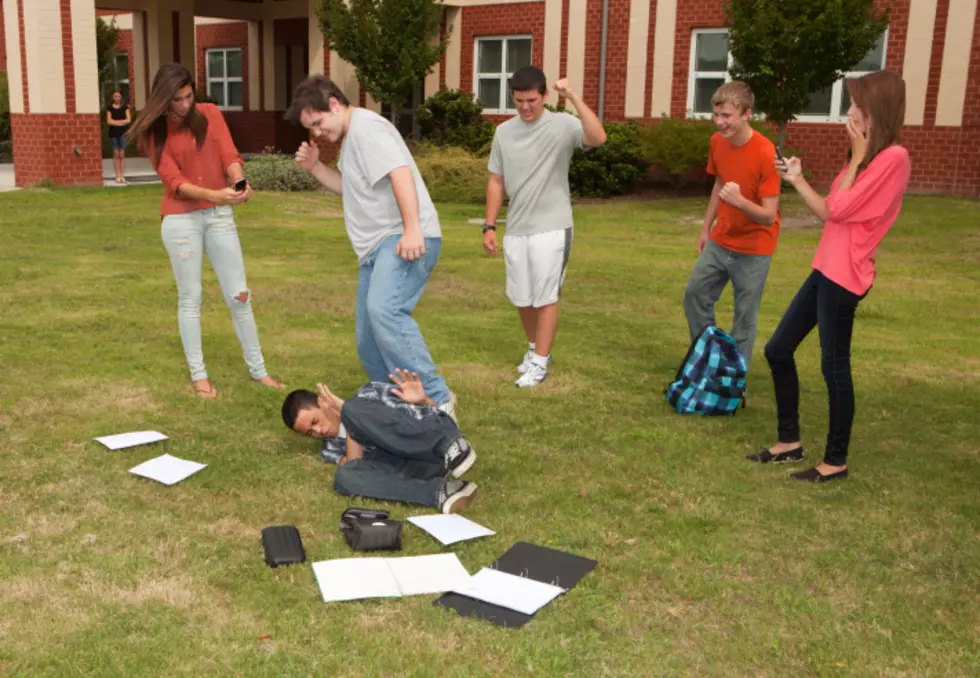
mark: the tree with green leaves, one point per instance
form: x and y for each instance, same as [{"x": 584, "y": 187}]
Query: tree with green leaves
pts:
[
  {"x": 392, "y": 44},
  {"x": 106, "y": 36},
  {"x": 787, "y": 50}
]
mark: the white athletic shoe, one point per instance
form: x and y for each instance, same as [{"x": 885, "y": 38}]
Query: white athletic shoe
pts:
[
  {"x": 522, "y": 368},
  {"x": 535, "y": 375}
]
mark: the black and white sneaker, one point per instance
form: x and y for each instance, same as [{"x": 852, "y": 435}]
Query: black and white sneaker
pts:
[
  {"x": 460, "y": 457},
  {"x": 456, "y": 495}
]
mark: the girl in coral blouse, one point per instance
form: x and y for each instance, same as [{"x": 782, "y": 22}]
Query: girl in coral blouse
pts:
[
  {"x": 194, "y": 156},
  {"x": 862, "y": 205}
]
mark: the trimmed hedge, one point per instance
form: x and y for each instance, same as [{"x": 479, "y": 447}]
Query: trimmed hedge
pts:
[
  {"x": 452, "y": 174},
  {"x": 270, "y": 172}
]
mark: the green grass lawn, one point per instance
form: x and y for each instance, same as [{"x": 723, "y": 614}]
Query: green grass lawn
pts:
[{"x": 708, "y": 565}]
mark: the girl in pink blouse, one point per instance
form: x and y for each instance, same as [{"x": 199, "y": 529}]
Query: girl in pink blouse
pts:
[{"x": 863, "y": 203}]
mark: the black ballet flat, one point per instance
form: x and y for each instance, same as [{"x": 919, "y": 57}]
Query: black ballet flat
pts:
[
  {"x": 787, "y": 457},
  {"x": 812, "y": 475}
]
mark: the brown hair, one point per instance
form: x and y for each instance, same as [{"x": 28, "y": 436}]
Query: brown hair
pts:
[
  {"x": 315, "y": 92},
  {"x": 150, "y": 126},
  {"x": 736, "y": 93},
  {"x": 881, "y": 97}
]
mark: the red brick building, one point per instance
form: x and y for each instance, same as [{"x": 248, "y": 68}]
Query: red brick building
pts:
[{"x": 663, "y": 57}]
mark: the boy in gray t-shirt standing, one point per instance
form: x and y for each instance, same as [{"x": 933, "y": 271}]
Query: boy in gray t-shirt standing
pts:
[
  {"x": 529, "y": 160},
  {"x": 392, "y": 225}
]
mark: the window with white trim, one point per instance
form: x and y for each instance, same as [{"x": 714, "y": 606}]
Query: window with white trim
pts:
[
  {"x": 224, "y": 78},
  {"x": 118, "y": 77},
  {"x": 711, "y": 59},
  {"x": 495, "y": 59}
]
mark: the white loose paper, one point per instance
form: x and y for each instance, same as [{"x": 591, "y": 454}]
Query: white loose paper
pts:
[
  {"x": 357, "y": 578},
  {"x": 417, "y": 575},
  {"x": 123, "y": 440},
  {"x": 167, "y": 470},
  {"x": 450, "y": 528},
  {"x": 507, "y": 590}
]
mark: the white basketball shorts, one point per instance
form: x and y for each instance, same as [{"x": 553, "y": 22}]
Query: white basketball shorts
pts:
[{"x": 536, "y": 266}]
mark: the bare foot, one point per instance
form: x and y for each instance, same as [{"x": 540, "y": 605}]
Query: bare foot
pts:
[
  {"x": 269, "y": 381},
  {"x": 779, "y": 448},
  {"x": 204, "y": 389}
]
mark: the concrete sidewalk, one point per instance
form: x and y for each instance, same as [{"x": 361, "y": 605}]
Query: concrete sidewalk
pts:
[{"x": 138, "y": 171}]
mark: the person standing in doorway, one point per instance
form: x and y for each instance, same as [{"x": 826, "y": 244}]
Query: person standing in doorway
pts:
[
  {"x": 744, "y": 213},
  {"x": 529, "y": 161},
  {"x": 392, "y": 225},
  {"x": 118, "y": 118},
  {"x": 191, "y": 149}
]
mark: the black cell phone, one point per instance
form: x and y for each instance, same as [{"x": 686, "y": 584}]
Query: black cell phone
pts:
[{"x": 240, "y": 184}]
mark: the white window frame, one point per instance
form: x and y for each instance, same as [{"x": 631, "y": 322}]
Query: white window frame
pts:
[
  {"x": 503, "y": 76},
  {"x": 693, "y": 74},
  {"x": 835, "y": 96},
  {"x": 225, "y": 79}
]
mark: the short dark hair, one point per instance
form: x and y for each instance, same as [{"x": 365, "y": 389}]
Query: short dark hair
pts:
[
  {"x": 315, "y": 92},
  {"x": 296, "y": 402},
  {"x": 528, "y": 78}
]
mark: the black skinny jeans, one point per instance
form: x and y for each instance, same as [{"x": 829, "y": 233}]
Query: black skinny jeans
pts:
[{"x": 828, "y": 306}]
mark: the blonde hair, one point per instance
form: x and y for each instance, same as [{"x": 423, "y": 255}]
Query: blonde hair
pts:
[{"x": 736, "y": 93}]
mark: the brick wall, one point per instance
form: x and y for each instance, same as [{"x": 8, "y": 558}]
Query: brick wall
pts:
[
  {"x": 43, "y": 148},
  {"x": 215, "y": 36},
  {"x": 515, "y": 19}
]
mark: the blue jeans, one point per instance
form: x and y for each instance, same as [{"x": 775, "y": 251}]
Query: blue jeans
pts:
[
  {"x": 404, "y": 457},
  {"x": 388, "y": 288},
  {"x": 187, "y": 238}
]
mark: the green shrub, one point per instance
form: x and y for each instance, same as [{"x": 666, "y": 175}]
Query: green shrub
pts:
[
  {"x": 611, "y": 169},
  {"x": 452, "y": 174},
  {"x": 677, "y": 148},
  {"x": 4, "y": 108},
  {"x": 453, "y": 118},
  {"x": 270, "y": 172},
  {"x": 6, "y": 151}
]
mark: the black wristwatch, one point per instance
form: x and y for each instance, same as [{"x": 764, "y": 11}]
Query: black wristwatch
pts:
[{"x": 489, "y": 227}]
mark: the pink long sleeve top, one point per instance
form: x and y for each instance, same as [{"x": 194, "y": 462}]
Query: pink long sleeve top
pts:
[{"x": 859, "y": 217}]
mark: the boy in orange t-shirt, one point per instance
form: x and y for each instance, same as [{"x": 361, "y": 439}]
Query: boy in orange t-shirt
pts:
[{"x": 745, "y": 201}]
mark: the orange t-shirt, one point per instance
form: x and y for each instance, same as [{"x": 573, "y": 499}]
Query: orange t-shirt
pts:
[
  {"x": 182, "y": 162},
  {"x": 752, "y": 167}
]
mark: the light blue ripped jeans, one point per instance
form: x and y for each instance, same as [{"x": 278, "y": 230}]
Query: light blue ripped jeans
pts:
[{"x": 187, "y": 238}]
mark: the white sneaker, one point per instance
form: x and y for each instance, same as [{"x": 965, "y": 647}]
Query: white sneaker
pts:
[
  {"x": 522, "y": 368},
  {"x": 535, "y": 375},
  {"x": 450, "y": 406}
]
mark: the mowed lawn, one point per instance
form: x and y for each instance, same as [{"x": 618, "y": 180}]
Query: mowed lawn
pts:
[{"x": 708, "y": 565}]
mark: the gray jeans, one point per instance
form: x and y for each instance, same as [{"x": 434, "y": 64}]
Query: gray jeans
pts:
[
  {"x": 715, "y": 267},
  {"x": 187, "y": 238}
]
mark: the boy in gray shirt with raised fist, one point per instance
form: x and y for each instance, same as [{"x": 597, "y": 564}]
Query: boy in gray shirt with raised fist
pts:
[{"x": 529, "y": 160}]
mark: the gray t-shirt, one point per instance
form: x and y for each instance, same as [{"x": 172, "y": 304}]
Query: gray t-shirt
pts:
[
  {"x": 534, "y": 159},
  {"x": 371, "y": 149}
]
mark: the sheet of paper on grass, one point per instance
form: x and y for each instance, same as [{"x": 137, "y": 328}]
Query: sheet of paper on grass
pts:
[
  {"x": 507, "y": 590},
  {"x": 357, "y": 578},
  {"x": 450, "y": 528},
  {"x": 167, "y": 470},
  {"x": 132, "y": 439}
]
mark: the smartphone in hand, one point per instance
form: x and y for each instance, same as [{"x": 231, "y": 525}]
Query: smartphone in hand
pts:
[{"x": 240, "y": 184}]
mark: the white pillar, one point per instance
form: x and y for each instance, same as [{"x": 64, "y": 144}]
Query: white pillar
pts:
[
  {"x": 254, "y": 68},
  {"x": 317, "y": 64},
  {"x": 141, "y": 82}
]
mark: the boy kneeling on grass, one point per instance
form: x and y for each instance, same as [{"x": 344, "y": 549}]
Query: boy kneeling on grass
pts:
[{"x": 390, "y": 442}]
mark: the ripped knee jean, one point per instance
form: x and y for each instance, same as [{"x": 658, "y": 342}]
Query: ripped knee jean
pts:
[{"x": 187, "y": 238}]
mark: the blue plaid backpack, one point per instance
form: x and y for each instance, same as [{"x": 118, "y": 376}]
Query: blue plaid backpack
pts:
[{"x": 711, "y": 379}]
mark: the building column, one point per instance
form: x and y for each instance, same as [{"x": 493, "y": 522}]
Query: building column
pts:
[
  {"x": 54, "y": 98},
  {"x": 140, "y": 85}
]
